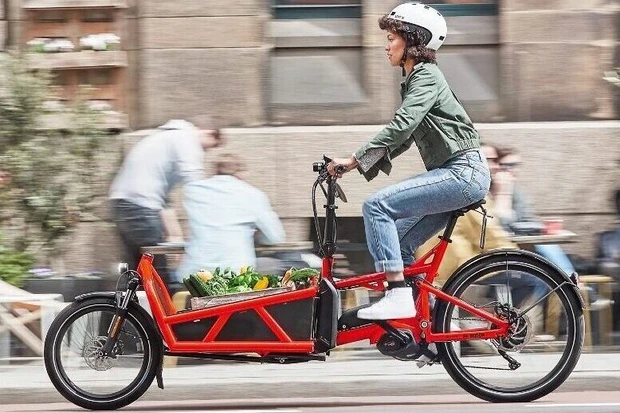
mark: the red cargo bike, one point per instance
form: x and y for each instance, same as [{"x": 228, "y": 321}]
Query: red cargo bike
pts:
[{"x": 104, "y": 350}]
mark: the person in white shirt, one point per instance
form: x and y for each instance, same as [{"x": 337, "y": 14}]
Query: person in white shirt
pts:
[
  {"x": 173, "y": 153},
  {"x": 224, "y": 214}
]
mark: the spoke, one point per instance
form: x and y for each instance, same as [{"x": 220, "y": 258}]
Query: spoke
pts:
[
  {"x": 88, "y": 371},
  {"x": 507, "y": 282},
  {"x": 521, "y": 313}
]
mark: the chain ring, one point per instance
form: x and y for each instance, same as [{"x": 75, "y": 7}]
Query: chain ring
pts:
[{"x": 94, "y": 357}]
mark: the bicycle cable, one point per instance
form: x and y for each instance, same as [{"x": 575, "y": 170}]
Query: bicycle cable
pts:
[{"x": 316, "y": 217}]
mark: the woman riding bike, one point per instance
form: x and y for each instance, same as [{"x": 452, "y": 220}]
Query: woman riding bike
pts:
[{"x": 400, "y": 218}]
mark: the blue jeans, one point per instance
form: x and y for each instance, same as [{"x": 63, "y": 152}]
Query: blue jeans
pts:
[
  {"x": 401, "y": 217},
  {"x": 140, "y": 227},
  {"x": 556, "y": 255}
]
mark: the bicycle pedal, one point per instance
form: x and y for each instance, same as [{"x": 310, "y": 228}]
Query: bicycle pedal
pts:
[
  {"x": 429, "y": 356},
  {"x": 426, "y": 361}
]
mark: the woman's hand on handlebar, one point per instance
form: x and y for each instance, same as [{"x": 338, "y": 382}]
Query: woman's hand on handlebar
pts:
[{"x": 339, "y": 166}]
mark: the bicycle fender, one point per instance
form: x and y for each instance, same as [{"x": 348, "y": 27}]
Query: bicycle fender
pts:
[
  {"x": 518, "y": 253},
  {"x": 96, "y": 294}
]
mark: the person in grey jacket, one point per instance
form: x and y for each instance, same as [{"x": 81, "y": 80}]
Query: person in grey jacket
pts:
[
  {"x": 173, "y": 153},
  {"x": 401, "y": 217}
]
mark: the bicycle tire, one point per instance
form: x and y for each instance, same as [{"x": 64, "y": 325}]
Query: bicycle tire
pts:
[
  {"x": 575, "y": 325},
  {"x": 153, "y": 351}
]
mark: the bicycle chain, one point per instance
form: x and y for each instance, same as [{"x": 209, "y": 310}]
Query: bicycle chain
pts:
[
  {"x": 489, "y": 368},
  {"x": 471, "y": 319}
]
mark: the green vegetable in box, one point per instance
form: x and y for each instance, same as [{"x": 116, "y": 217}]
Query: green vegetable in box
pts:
[
  {"x": 299, "y": 278},
  {"x": 274, "y": 281},
  {"x": 217, "y": 285},
  {"x": 204, "y": 283}
]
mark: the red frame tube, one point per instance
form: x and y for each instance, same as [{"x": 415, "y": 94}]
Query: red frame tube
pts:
[{"x": 425, "y": 269}]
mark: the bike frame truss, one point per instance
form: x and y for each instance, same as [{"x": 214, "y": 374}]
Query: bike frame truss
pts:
[{"x": 423, "y": 272}]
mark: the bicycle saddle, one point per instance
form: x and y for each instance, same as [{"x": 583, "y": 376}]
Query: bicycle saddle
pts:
[{"x": 473, "y": 206}]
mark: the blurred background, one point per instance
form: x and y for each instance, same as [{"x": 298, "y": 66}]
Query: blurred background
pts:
[{"x": 287, "y": 81}]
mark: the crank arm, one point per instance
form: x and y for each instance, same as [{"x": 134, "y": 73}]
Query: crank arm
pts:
[{"x": 400, "y": 336}]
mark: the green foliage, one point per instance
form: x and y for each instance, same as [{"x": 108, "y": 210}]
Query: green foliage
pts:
[
  {"x": 51, "y": 170},
  {"x": 14, "y": 266}
]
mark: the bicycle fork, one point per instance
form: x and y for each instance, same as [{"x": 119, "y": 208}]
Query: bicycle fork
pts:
[{"x": 122, "y": 304}]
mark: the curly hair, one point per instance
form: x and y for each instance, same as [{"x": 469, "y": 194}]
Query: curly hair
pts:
[{"x": 415, "y": 39}]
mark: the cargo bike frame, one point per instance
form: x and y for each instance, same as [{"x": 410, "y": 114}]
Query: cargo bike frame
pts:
[{"x": 306, "y": 324}]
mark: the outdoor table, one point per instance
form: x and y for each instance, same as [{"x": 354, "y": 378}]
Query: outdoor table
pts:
[
  {"x": 165, "y": 248},
  {"x": 561, "y": 237},
  {"x": 47, "y": 306},
  {"x": 173, "y": 248}
]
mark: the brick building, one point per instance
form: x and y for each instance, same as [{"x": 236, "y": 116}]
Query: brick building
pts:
[{"x": 318, "y": 67}]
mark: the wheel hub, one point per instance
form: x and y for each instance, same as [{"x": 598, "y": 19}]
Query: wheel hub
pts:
[
  {"x": 519, "y": 332},
  {"x": 94, "y": 357}
]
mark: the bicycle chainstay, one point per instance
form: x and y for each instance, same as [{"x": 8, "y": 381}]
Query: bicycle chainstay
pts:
[{"x": 512, "y": 363}]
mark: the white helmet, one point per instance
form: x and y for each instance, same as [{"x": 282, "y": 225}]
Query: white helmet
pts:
[{"x": 424, "y": 17}]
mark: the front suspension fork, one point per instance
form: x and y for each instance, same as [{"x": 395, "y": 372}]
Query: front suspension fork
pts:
[{"x": 122, "y": 305}]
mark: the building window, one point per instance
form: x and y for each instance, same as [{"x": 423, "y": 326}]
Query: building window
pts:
[
  {"x": 61, "y": 78},
  {"x": 96, "y": 77},
  {"x": 317, "y": 9},
  {"x": 51, "y": 16},
  {"x": 464, "y": 7},
  {"x": 97, "y": 16}
]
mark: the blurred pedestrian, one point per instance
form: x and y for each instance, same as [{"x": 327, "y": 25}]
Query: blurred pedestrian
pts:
[
  {"x": 5, "y": 178},
  {"x": 608, "y": 246},
  {"x": 224, "y": 214},
  {"x": 173, "y": 153},
  {"x": 608, "y": 259},
  {"x": 401, "y": 217},
  {"x": 512, "y": 207}
]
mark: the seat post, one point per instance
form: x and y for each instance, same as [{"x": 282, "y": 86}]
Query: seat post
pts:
[{"x": 447, "y": 233}]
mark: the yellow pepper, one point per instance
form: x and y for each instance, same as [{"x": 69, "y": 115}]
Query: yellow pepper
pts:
[{"x": 262, "y": 284}]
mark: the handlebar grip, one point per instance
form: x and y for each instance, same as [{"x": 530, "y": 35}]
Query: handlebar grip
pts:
[{"x": 340, "y": 169}]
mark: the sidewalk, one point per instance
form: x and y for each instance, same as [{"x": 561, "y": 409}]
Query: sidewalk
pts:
[{"x": 359, "y": 367}]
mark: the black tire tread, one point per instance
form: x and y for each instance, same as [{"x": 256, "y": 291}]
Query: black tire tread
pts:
[
  {"x": 440, "y": 313},
  {"x": 133, "y": 394}
]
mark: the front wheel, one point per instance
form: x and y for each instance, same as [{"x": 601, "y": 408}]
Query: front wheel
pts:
[
  {"x": 76, "y": 367},
  {"x": 546, "y": 333}
]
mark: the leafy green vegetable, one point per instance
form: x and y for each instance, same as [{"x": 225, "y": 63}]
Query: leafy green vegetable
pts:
[
  {"x": 303, "y": 275},
  {"x": 239, "y": 289},
  {"x": 274, "y": 281},
  {"x": 229, "y": 282}
]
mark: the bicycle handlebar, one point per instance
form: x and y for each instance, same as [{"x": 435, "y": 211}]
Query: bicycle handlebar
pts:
[{"x": 321, "y": 166}]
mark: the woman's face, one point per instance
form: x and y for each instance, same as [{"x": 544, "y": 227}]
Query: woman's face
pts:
[
  {"x": 511, "y": 163},
  {"x": 492, "y": 159},
  {"x": 395, "y": 48}
]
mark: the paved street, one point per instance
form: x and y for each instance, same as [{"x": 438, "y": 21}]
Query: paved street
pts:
[
  {"x": 592, "y": 402},
  {"x": 350, "y": 381}
]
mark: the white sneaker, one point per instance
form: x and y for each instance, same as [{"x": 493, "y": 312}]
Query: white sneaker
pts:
[{"x": 397, "y": 303}]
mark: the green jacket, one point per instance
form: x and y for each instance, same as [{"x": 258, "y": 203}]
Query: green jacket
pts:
[{"x": 431, "y": 116}]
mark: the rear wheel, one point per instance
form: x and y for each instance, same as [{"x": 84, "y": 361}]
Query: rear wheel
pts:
[
  {"x": 546, "y": 334},
  {"x": 76, "y": 367}
]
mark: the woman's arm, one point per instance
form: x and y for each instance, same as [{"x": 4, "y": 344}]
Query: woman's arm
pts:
[{"x": 420, "y": 97}]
